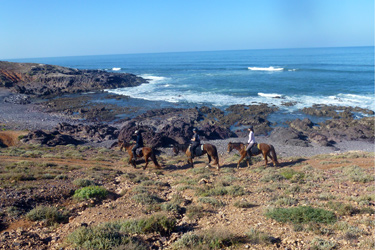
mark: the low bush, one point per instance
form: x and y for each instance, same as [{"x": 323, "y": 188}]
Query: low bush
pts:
[
  {"x": 91, "y": 192},
  {"x": 212, "y": 201},
  {"x": 301, "y": 215},
  {"x": 83, "y": 183},
  {"x": 50, "y": 215},
  {"x": 321, "y": 244},
  {"x": 357, "y": 174},
  {"x": 116, "y": 235},
  {"x": 243, "y": 204},
  {"x": 208, "y": 239}
]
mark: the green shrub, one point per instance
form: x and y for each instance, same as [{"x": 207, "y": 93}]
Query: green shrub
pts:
[
  {"x": 212, "y": 201},
  {"x": 208, "y": 239},
  {"x": 104, "y": 236},
  {"x": 301, "y": 215},
  {"x": 50, "y": 215},
  {"x": 91, "y": 192},
  {"x": 356, "y": 174},
  {"x": 292, "y": 175},
  {"x": 146, "y": 198},
  {"x": 341, "y": 208},
  {"x": 243, "y": 204},
  {"x": 116, "y": 235}
]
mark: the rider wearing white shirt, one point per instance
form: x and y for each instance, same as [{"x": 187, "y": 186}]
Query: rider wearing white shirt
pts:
[{"x": 251, "y": 141}]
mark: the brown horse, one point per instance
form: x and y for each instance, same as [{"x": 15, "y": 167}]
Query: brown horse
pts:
[
  {"x": 265, "y": 149},
  {"x": 208, "y": 149},
  {"x": 146, "y": 153}
]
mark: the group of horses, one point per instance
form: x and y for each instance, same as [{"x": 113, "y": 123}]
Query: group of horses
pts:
[{"x": 148, "y": 153}]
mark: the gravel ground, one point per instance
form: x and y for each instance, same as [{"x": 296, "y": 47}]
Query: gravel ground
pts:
[{"x": 28, "y": 117}]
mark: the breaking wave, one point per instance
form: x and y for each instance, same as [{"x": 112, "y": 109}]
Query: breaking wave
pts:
[{"x": 271, "y": 68}]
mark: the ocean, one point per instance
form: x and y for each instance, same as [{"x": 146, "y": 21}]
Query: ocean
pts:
[{"x": 334, "y": 76}]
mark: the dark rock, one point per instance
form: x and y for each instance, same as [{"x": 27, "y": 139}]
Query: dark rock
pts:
[
  {"x": 320, "y": 139},
  {"x": 167, "y": 126},
  {"x": 49, "y": 138},
  {"x": 43, "y": 80},
  {"x": 302, "y": 125},
  {"x": 289, "y": 136}
]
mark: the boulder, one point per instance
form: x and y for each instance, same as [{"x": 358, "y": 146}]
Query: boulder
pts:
[{"x": 289, "y": 136}]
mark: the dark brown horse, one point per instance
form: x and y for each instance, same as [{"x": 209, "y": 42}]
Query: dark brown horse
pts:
[
  {"x": 146, "y": 153},
  {"x": 264, "y": 149},
  {"x": 208, "y": 149}
]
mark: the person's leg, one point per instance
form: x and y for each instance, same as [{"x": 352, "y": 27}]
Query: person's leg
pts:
[
  {"x": 248, "y": 148},
  {"x": 134, "y": 152}
]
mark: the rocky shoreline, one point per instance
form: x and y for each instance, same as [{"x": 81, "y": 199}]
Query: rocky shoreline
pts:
[{"x": 166, "y": 126}]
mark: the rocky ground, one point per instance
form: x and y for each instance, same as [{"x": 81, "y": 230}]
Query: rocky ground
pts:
[{"x": 228, "y": 206}]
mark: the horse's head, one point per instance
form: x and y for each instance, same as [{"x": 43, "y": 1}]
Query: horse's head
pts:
[
  {"x": 175, "y": 150},
  {"x": 121, "y": 144},
  {"x": 230, "y": 147}
]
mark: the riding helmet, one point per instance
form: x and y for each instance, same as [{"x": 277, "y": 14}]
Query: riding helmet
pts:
[{"x": 136, "y": 132}]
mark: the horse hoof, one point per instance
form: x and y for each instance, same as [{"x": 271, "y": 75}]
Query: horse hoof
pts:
[{"x": 208, "y": 166}]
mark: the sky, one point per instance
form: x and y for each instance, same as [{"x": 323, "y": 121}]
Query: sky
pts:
[{"x": 49, "y": 28}]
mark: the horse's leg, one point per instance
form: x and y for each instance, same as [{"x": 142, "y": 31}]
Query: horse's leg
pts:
[
  {"x": 242, "y": 157},
  {"x": 217, "y": 162},
  {"x": 209, "y": 160},
  {"x": 265, "y": 157},
  {"x": 146, "y": 160}
]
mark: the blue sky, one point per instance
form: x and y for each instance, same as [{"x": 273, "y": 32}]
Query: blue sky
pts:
[{"x": 48, "y": 28}]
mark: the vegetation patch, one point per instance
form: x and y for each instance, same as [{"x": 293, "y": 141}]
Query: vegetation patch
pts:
[
  {"x": 208, "y": 239},
  {"x": 50, "y": 215},
  {"x": 119, "y": 234},
  {"x": 301, "y": 215},
  {"x": 91, "y": 192}
]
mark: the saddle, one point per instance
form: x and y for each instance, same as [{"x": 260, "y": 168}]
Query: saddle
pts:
[
  {"x": 255, "y": 149},
  {"x": 139, "y": 152},
  {"x": 198, "y": 150}
]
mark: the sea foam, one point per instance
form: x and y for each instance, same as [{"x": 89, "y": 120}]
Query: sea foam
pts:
[
  {"x": 116, "y": 69},
  {"x": 271, "y": 68}
]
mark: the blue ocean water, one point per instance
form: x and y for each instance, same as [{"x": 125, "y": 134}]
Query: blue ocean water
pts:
[{"x": 337, "y": 76}]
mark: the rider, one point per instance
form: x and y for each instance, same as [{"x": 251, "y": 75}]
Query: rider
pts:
[
  {"x": 138, "y": 143},
  {"x": 251, "y": 141},
  {"x": 195, "y": 142}
]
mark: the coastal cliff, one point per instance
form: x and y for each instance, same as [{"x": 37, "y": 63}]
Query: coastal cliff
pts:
[{"x": 43, "y": 79}]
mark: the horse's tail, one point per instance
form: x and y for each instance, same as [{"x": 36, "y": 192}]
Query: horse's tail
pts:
[
  {"x": 273, "y": 154},
  {"x": 153, "y": 158}
]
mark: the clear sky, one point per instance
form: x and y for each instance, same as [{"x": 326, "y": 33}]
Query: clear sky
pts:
[{"x": 51, "y": 28}]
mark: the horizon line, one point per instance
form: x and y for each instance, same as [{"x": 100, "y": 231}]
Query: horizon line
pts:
[{"x": 192, "y": 51}]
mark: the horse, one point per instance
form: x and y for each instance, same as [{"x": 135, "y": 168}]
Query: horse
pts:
[
  {"x": 146, "y": 153},
  {"x": 265, "y": 149},
  {"x": 208, "y": 149}
]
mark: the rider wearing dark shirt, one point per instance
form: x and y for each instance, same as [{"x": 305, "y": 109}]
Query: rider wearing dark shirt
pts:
[
  {"x": 195, "y": 142},
  {"x": 138, "y": 143}
]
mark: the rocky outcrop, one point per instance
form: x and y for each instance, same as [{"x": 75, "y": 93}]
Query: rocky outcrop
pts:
[
  {"x": 42, "y": 79},
  {"x": 167, "y": 126},
  {"x": 289, "y": 136},
  {"x": 65, "y": 134},
  {"x": 49, "y": 138}
]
